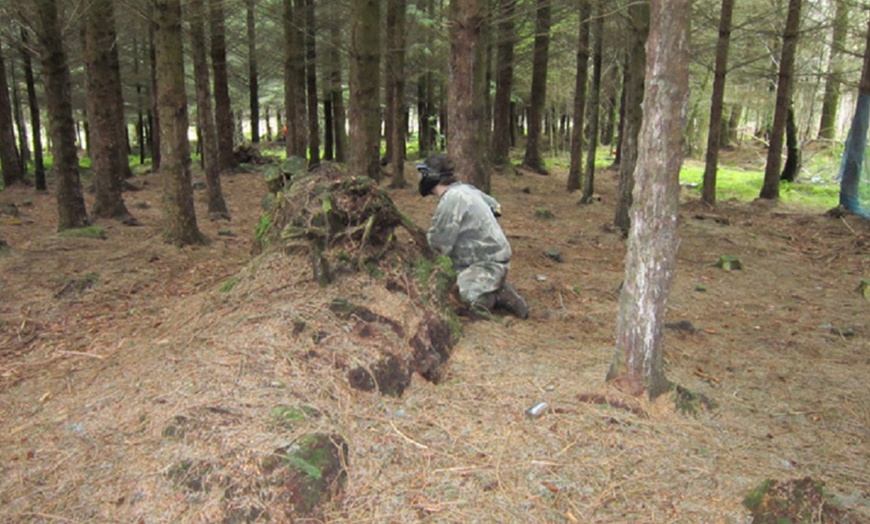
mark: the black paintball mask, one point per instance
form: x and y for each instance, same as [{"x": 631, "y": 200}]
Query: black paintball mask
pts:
[{"x": 435, "y": 169}]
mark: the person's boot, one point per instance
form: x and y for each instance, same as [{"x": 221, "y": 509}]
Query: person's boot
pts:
[{"x": 508, "y": 298}]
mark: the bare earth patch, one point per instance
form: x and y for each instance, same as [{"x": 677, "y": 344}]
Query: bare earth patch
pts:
[{"x": 139, "y": 382}]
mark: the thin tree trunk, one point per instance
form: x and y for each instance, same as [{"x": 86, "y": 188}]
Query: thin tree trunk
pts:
[
  {"x": 793, "y": 159},
  {"x": 35, "y": 119},
  {"x": 336, "y": 95},
  {"x": 833, "y": 80},
  {"x": 504, "y": 74},
  {"x": 582, "y": 76},
  {"x": 18, "y": 116},
  {"x": 650, "y": 261},
  {"x": 364, "y": 81},
  {"x": 716, "y": 103},
  {"x": 222, "y": 108},
  {"x": 770, "y": 188},
  {"x": 154, "y": 113},
  {"x": 70, "y": 200},
  {"x": 179, "y": 216},
  {"x": 311, "y": 84},
  {"x": 217, "y": 207},
  {"x": 105, "y": 113},
  {"x": 589, "y": 179},
  {"x": 466, "y": 105},
  {"x": 253, "y": 74},
  {"x": 856, "y": 143},
  {"x": 533, "y": 159},
  {"x": 639, "y": 18},
  {"x": 396, "y": 20},
  {"x": 11, "y": 163}
]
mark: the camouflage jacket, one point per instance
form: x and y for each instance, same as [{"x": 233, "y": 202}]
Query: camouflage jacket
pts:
[{"x": 464, "y": 227}]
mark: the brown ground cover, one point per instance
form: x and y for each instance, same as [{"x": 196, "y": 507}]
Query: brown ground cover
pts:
[{"x": 122, "y": 358}]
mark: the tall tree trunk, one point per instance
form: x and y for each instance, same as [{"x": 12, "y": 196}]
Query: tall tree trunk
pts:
[
  {"x": 609, "y": 110},
  {"x": 504, "y": 78},
  {"x": 714, "y": 139},
  {"x": 650, "y": 262},
  {"x": 582, "y": 76},
  {"x": 792, "y": 144},
  {"x": 217, "y": 207},
  {"x": 18, "y": 117},
  {"x": 294, "y": 81},
  {"x": 856, "y": 142},
  {"x": 533, "y": 159},
  {"x": 70, "y": 200},
  {"x": 105, "y": 106},
  {"x": 35, "y": 119},
  {"x": 639, "y": 20},
  {"x": 222, "y": 107},
  {"x": 179, "y": 215},
  {"x": 253, "y": 74},
  {"x": 770, "y": 188},
  {"x": 311, "y": 84},
  {"x": 834, "y": 78},
  {"x": 466, "y": 105},
  {"x": 734, "y": 123},
  {"x": 396, "y": 23},
  {"x": 154, "y": 113},
  {"x": 11, "y": 163},
  {"x": 364, "y": 92},
  {"x": 336, "y": 95},
  {"x": 589, "y": 179}
]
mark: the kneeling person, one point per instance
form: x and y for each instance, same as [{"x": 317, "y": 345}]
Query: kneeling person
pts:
[{"x": 464, "y": 227}]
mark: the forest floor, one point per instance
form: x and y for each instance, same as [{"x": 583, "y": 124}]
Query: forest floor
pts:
[{"x": 108, "y": 346}]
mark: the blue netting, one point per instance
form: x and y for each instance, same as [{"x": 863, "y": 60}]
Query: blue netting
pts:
[{"x": 854, "y": 169}]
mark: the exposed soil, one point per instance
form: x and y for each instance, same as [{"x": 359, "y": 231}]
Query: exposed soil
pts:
[{"x": 124, "y": 359}]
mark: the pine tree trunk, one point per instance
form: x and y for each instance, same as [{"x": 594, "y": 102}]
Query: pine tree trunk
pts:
[
  {"x": 18, "y": 117},
  {"x": 311, "y": 84},
  {"x": 792, "y": 144},
  {"x": 856, "y": 143},
  {"x": 833, "y": 80},
  {"x": 364, "y": 92},
  {"x": 70, "y": 200},
  {"x": 580, "y": 97},
  {"x": 466, "y": 106},
  {"x": 11, "y": 163},
  {"x": 639, "y": 19},
  {"x": 105, "y": 106},
  {"x": 336, "y": 95},
  {"x": 589, "y": 179},
  {"x": 35, "y": 119},
  {"x": 533, "y": 159},
  {"x": 253, "y": 74},
  {"x": 222, "y": 108},
  {"x": 396, "y": 23},
  {"x": 770, "y": 188},
  {"x": 504, "y": 74},
  {"x": 217, "y": 207},
  {"x": 179, "y": 216},
  {"x": 650, "y": 261},
  {"x": 714, "y": 138},
  {"x": 154, "y": 112}
]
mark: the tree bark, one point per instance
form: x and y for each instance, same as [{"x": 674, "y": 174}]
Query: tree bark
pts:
[
  {"x": 18, "y": 117},
  {"x": 792, "y": 144},
  {"x": 179, "y": 216},
  {"x": 222, "y": 107},
  {"x": 585, "y": 12},
  {"x": 217, "y": 207},
  {"x": 504, "y": 74},
  {"x": 336, "y": 94},
  {"x": 639, "y": 19},
  {"x": 364, "y": 93},
  {"x": 35, "y": 119},
  {"x": 533, "y": 159},
  {"x": 770, "y": 188},
  {"x": 589, "y": 179},
  {"x": 714, "y": 138},
  {"x": 396, "y": 23},
  {"x": 834, "y": 78},
  {"x": 9, "y": 159},
  {"x": 105, "y": 106},
  {"x": 466, "y": 104},
  {"x": 311, "y": 84},
  {"x": 253, "y": 74},
  {"x": 70, "y": 200},
  {"x": 154, "y": 113},
  {"x": 294, "y": 82},
  {"x": 650, "y": 261}
]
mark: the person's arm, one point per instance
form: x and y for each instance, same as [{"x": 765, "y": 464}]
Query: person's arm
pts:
[{"x": 445, "y": 225}]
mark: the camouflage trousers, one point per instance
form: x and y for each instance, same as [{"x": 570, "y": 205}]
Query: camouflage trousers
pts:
[{"x": 481, "y": 278}]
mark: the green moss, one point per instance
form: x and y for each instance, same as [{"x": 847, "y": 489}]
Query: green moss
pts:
[
  {"x": 228, "y": 285},
  {"x": 289, "y": 416},
  {"x": 544, "y": 214},
  {"x": 262, "y": 230},
  {"x": 96, "y": 232}
]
